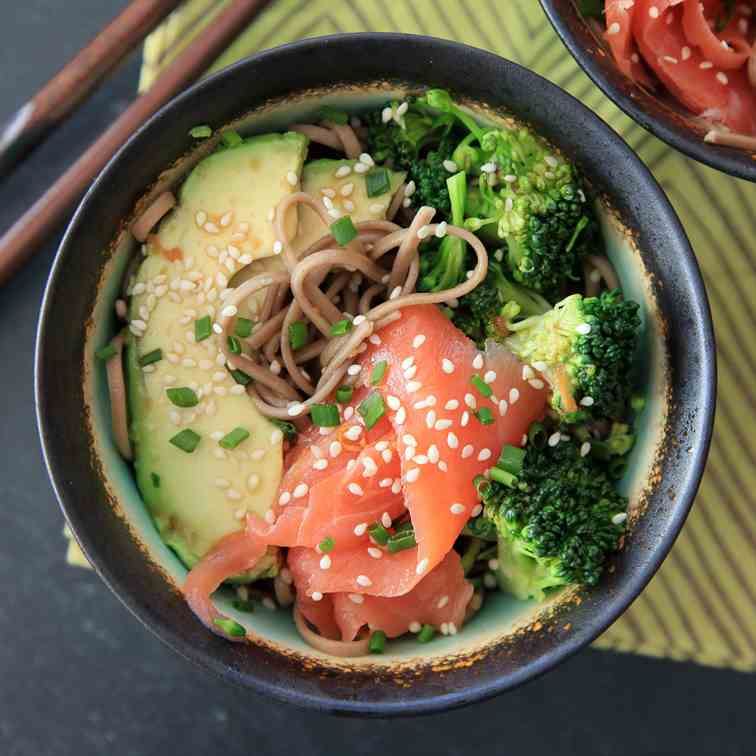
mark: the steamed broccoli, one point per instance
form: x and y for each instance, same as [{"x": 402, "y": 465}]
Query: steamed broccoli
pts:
[
  {"x": 557, "y": 520},
  {"x": 584, "y": 347},
  {"x": 444, "y": 267},
  {"x": 484, "y": 312}
]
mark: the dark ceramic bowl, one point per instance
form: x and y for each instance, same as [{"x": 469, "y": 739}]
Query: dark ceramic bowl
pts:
[
  {"x": 509, "y": 641},
  {"x": 656, "y": 111}
]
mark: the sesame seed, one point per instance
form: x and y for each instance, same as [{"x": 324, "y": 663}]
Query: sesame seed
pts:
[
  {"x": 443, "y": 424},
  {"x": 470, "y": 401},
  {"x": 450, "y": 166},
  {"x": 465, "y": 419},
  {"x": 514, "y": 395},
  {"x": 396, "y": 486},
  {"x": 488, "y": 167},
  {"x": 587, "y": 401},
  {"x": 722, "y": 77},
  {"x": 410, "y": 372},
  {"x": 393, "y": 402},
  {"x": 412, "y": 474},
  {"x": 325, "y": 562},
  {"x": 320, "y": 464},
  {"x": 585, "y": 448},
  {"x": 364, "y": 581},
  {"x": 276, "y": 437},
  {"x": 348, "y": 413},
  {"x": 420, "y": 459},
  {"x": 554, "y": 438},
  {"x": 503, "y": 407},
  {"x": 409, "y": 452},
  {"x": 430, "y": 419},
  {"x": 385, "y": 483},
  {"x": 415, "y": 627},
  {"x": 444, "y": 627},
  {"x": 353, "y": 433},
  {"x": 200, "y": 217},
  {"x": 387, "y": 455},
  {"x": 301, "y": 491},
  {"x": 685, "y": 53},
  {"x": 619, "y": 518},
  {"x": 452, "y": 628},
  {"x": 233, "y": 494},
  {"x": 490, "y": 376},
  {"x": 422, "y": 566},
  {"x": 292, "y": 178},
  {"x": 316, "y": 596},
  {"x": 295, "y": 409},
  {"x": 353, "y": 488},
  {"x": 452, "y": 404},
  {"x": 257, "y": 454},
  {"x": 400, "y": 416},
  {"x": 706, "y": 64},
  {"x": 457, "y": 508},
  {"x": 447, "y": 366},
  {"x": 669, "y": 59},
  {"x": 484, "y": 454},
  {"x": 375, "y": 339},
  {"x": 537, "y": 383},
  {"x": 354, "y": 369},
  {"x": 477, "y": 509},
  {"x": 270, "y": 516},
  {"x": 653, "y": 11},
  {"x": 418, "y": 341},
  {"x": 413, "y": 387},
  {"x": 442, "y": 602},
  {"x": 452, "y": 440},
  {"x": 477, "y": 362}
]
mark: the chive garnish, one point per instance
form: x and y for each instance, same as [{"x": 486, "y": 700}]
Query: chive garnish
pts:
[
  {"x": 231, "y": 138},
  {"x": 203, "y": 328},
  {"x": 240, "y": 377},
  {"x": 186, "y": 440},
  {"x": 200, "y": 132},
  {"x": 377, "y": 642},
  {"x": 288, "y": 429},
  {"x": 484, "y": 415},
  {"x": 326, "y": 545},
  {"x": 106, "y": 353},
  {"x": 401, "y": 541},
  {"x": 503, "y": 476},
  {"x": 230, "y": 627},
  {"x": 379, "y": 534},
  {"x": 406, "y": 525},
  {"x": 155, "y": 479},
  {"x": 298, "y": 335},
  {"x": 372, "y": 409},
  {"x": 377, "y": 182},
  {"x": 379, "y": 370},
  {"x": 328, "y": 113},
  {"x": 481, "y": 385},
  {"x": 182, "y": 396},
  {"x": 511, "y": 459},
  {"x": 154, "y": 356},
  {"x": 341, "y": 327},
  {"x": 344, "y": 394},
  {"x": 234, "y": 438},
  {"x": 325, "y": 415},
  {"x": 343, "y": 231},
  {"x": 426, "y": 634},
  {"x": 233, "y": 345},
  {"x": 481, "y": 485},
  {"x": 242, "y": 327}
]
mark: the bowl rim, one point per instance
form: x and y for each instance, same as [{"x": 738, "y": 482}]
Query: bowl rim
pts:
[
  {"x": 729, "y": 160},
  {"x": 475, "y": 690}
]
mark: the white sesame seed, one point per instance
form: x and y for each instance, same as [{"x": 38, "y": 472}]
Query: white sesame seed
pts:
[
  {"x": 374, "y": 552},
  {"x": 316, "y": 596},
  {"x": 443, "y": 424},
  {"x": 613, "y": 28},
  {"x": 320, "y": 464},
  {"x": 447, "y": 366},
  {"x": 422, "y": 566},
  {"x": 409, "y": 373},
  {"x": 292, "y": 178},
  {"x": 375, "y": 339},
  {"x": 477, "y": 362},
  {"x": 653, "y": 11},
  {"x": 587, "y": 401},
  {"x": 301, "y": 491},
  {"x": 488, "y": 167},
  {"x": 484, "y": 454},
  {"x": 361, "y": 168},
  {"x": 418, "y": 341},
  {"x": 366, "y": 159},
  {"x": 722, "y": 77},
  {"x": 343, "y": 170},
  {"x": 420, "y": 459},
  {"x": 354, "y": 369},
  {"x": 276, "y": 437},
  {"x": 450, "y": 166},
  {"x": 554, "y": 438},
  {"x": 334, "y": 449},
  {"x": 585, "y": 448},
  {"x": 444, "y": 628},
  {"x": 470, "y": 401},
  {"x": 537, "y": 383},
  {"x": 360, "y": 529},
  {"x": 364, "y": 581},
  {"x": 353, "y": 488},
  {"x": 619, "y": 518},
  {"x": 295, "y": 409},
  {"x": 348, "y": 413},
  {"x": 277, "y": 247},
  {"x": 477, "y": 509},
  {"x": 385, "y": 483},
  {"x": 233, "y": 494},
  {"x": 465, "y": 419},
  {"x": 452, "y": 440},
  {"x": 353, "y": 432},
  {"x": 409, "y": 440},
  {"x": 415, "y": 627},
  {"x": 452, "y": 404},
  {"x": 387, "y": 455},
  {"x": 452, "y": 628},
  {"x": 457, "y": 508},
  {"x": 407, "y": 362},
  {"x": 413, "y": 387},
  {"x": 400, "y": 416},
  {"x": 514, "y": 395},
  {"x": 412, "y": 475},
  {"x": 396, "y": 486},
  {"x": 325, "y": 562},
  {"x": 706, "y": 64},
  {"x": 490, "y": 376},
  {"x": 685, "y": 53},
  {"x": 443, "y": 601}
]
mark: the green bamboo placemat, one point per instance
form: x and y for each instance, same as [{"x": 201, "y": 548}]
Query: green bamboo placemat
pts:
[{"x": 702, "y": 603}]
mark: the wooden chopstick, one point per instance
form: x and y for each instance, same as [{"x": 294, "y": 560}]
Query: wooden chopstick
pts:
[
  {"x": 24, "y": 237},
  {"x": 26, "y": 128}
]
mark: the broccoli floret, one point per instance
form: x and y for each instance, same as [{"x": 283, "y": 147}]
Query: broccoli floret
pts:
[
  {"x": 533, "y": 200},
  {"x": 584, "y": 347},
  {"x": 484, "y": 312},
  {"x": 444, "y": 267},
  {"x": 621, "y": 439},
  {"x": 557, "y": 520}
]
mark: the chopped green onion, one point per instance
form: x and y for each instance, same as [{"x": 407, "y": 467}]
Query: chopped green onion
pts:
[
  {"x": 401, "y": 541},
  {"x": 326, "y": 545},
  {"x": 325, "y": 415},
  {"x": 372, "y": 409},
  {"x": 243, "y": 606},
  {"x": 288, "y": 429},
  {"x": 328, "y": 113},
  {"x": 154, "y": 356},
  {"x": 481, "y": 385},
  {"x": 341, "y": 327},
  {"x": 377, "y": 182},
  {"x": 485, "y": 415},
  {"x": 379, "y": 534},
  {"x": 377, "y": 642},
  {"x": 201, "y": 132},
  {"x": 511, "y": 459},
  {"x": 537, "y": 435},
  {"x": 203, "y": 328},
  {"x": 155, "y": 479},
  {"x": 379, "y": 370},
  {"x": 234, "y": 345},
  {"x": 481, "y": 485},
  {"x": 186, "y": 440},
  {"x": 182, "y": 396},
  {"x": 106, "y": 353},
  {"x": 343, "y": 231},
  {"x": 503, "y": 476},
  {"x": 234, "y": 438},
  {"x": 426, "y": 634},
  {"x": 242, "y": 327},
  {"x": 298, "y": 335},
  {"x": 344, "y": 394},
  {"x": 231, "y": 138},
  {"x": 230, "y": 627},
  {"x": 406, "y": 525},
  {"x": 240, "y": 377}
]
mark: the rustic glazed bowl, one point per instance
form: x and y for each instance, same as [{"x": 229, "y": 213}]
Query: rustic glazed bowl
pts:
[
  {"x": 656, "y": 110},
  {"x": 509, "y": 641}
]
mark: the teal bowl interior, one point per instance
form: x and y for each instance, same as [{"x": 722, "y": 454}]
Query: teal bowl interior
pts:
[
  {"x": 501, "y": 615},
  {"x": 509, "y": 641}
]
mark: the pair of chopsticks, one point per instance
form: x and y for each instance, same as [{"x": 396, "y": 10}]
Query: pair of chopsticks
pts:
[{"x": 68, "y": 88}]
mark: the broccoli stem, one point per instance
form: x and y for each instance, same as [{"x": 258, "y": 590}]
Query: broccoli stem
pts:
[
  {"x": 441, "y": 100},
  {"x": 471, "y": 554},
  {"x": 457, "y": 188}
]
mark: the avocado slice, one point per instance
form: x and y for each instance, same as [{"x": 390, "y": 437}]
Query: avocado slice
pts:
[{"x": 197, "y": 498}]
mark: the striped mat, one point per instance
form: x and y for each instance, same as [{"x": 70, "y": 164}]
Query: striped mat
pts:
[{"x": 702, "y": 603}]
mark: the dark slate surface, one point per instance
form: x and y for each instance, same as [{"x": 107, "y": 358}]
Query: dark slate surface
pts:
[{"x": 79, "y": 676}]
